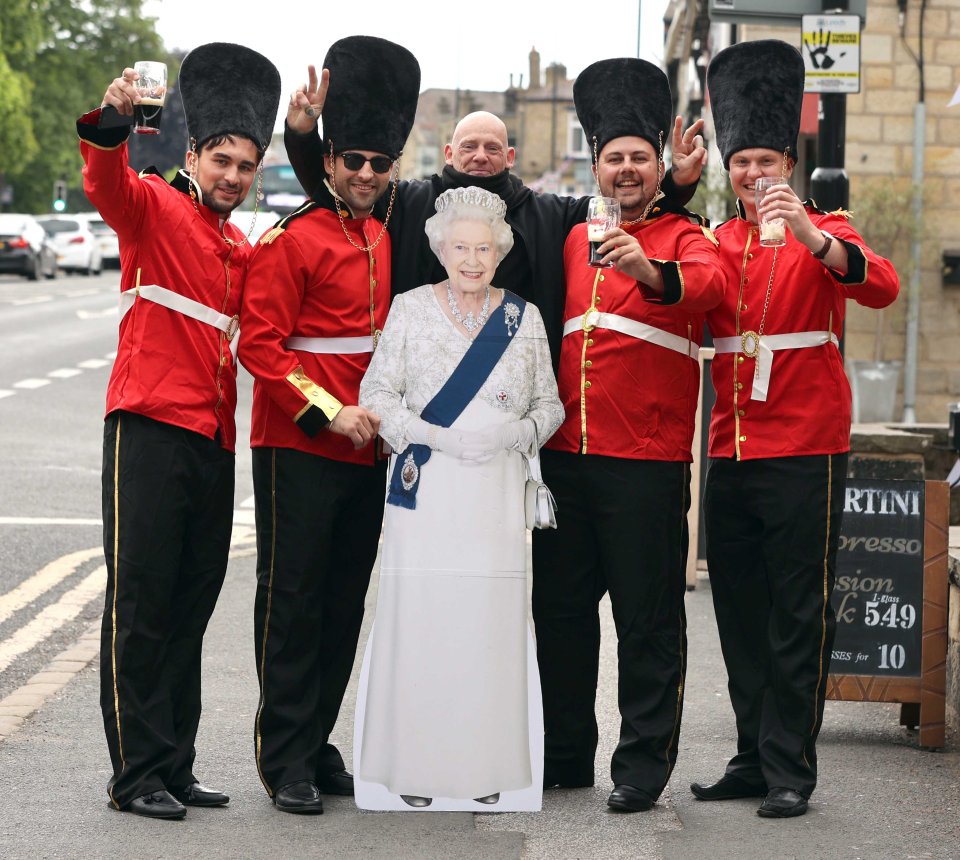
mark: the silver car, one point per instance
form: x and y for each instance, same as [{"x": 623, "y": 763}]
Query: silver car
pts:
[
  {"x": 24, "y": 247},
  {"x": 106, "y": 239},
  {"x": 78, "y": 250}
]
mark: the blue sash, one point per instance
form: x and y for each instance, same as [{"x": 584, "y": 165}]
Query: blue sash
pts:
[{"x": 462, "y": 386}]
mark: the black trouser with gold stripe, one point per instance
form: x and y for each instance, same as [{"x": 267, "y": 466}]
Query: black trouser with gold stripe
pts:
[
  {"x": 772, "y": 528},
  {"x": 622, "y": 529},
  {"x": 318, "y": 526},
  {"x": 167, "y": 517}
]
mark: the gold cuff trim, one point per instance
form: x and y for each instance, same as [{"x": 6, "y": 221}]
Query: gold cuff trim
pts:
[
  {"x": 98, "y": 146},
  {"x": 316, "y": 396}
]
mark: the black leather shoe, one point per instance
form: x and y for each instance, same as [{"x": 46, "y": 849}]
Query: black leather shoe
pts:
[
  {"x": 728, "y": 787},
  {"x": 199, "y": 795},
  {"x": 157, "y": 804},
  {"x": 339, "y": 782},
  {"x": 626, "y": 798},
  {"x": 783, "y": 803},
  {"x": 301, "y": 798}
]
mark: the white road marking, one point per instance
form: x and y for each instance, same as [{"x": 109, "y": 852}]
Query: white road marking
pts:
[
  {"x": 64, "y": 373},
  {"x": 33, "y": 300},
  {"x": 248, "y": 502},
  {"x": 111, "y": 355},
  {"x": 53, "y": 617},
  {"x": 239, "y": 518},
  {"x": 48, "y": 521},
  {"x": 46, "y": 683},
  {"x": 73, "y": 294},
  {"x": 242, "y": 533},
  {"x": 92, "y": 363},
  {"x": 96, "y": 315},
  {"x": 31, "y": 696},
  {"x": 31, "y": 383},
  {"x": 43, "y": 580},
  {"x": 5, "y": 392},
  {"x": 81, "y": 470}
]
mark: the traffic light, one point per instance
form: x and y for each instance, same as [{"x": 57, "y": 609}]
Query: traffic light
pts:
[{"x": 59, "y": 196}]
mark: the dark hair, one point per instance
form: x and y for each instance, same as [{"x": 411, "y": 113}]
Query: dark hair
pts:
[{"x": 219, "y": 139}]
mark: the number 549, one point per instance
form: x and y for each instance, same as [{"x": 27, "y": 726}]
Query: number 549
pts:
[{"x": 896, "y": 615}]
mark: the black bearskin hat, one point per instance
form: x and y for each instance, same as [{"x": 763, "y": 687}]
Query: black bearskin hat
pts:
[
  {"x": 756, "y": 92},
  {"x": 623, "y": 97},
  {"x": 372, "y": 100},
  {"x": 229, "y": 89}
]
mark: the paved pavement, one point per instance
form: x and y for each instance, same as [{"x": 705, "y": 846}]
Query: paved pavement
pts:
[{"x": 880, "y": 796}]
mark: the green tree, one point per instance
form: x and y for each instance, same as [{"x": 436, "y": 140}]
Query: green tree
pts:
[
  {"x": 78, "y": 49},
  {"x": 20, "y": 32}
]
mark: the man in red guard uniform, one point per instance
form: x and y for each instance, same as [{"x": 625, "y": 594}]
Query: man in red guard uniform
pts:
[
  {"x": 619, "y": 464},
  {"x": 168, "y": 451},
  {"x": 317, "y": 297},
  {"x": 780, "y": 430}
]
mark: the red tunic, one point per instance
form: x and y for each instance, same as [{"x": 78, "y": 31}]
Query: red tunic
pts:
[
  {"x": 309, "y": 281},
  {"x": 807, "y": 410},
  {"x": 626, "y": 397},
  {"x": 169, "y": 367}
]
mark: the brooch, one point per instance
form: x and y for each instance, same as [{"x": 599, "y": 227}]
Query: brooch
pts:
[
  {"x": 409, "y": 472},
  {"x": 511, "y": 315}
]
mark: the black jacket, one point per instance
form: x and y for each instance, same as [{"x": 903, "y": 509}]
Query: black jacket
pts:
[{"x": 534, "y": 267}]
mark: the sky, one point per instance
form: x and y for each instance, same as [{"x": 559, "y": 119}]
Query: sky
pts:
[{"x": 471, "y": 46}]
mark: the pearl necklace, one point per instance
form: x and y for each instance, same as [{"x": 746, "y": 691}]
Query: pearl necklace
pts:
[{"x": 470, "y": 322}]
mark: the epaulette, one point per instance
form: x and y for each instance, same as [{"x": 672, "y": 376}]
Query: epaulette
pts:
[
  {"x": 810, "y": 203},
  {"x": 281, "y": 225},
  {"x": 149, "y": 171},
  {"x": 703, "y": 223},
  {"x": 695, "y": 218}
]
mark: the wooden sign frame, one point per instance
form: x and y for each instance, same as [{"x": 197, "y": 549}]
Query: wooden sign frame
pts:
[{"x": 923, "y": 699}]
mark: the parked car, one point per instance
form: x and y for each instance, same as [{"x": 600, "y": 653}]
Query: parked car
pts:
[
  {"x": 25, "y": 248},
  {"x": 254, "y": 229},
  {"x": 78, "y": 250},
  {"x": 106, "y": 239}
]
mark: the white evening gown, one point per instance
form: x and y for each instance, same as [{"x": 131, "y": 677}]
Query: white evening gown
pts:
[{"x": 446, "y": 707}]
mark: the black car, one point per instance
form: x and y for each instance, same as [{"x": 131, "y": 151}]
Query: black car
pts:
[{"x": 25, "y": 248}]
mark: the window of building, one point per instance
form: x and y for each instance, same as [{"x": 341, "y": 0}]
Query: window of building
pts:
[{"x": 577, "y": 146}]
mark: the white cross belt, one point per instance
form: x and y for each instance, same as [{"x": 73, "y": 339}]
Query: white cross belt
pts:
[
  {"x": 230, "y": 326},
  {"x": 595, "y": 319},
  {"x": 331, "y": 345},
  {"x": 762, "y": 349}
]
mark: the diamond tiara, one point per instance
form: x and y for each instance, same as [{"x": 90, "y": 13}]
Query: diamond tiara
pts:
[{"x": 471, "y": 196}]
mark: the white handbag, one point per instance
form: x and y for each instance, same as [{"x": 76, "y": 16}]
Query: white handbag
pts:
[{"x": 538, "y": 503}]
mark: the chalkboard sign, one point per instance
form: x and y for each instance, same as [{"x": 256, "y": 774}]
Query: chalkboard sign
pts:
[
  {"x": 903, "y": 660},
  {"x": 878, "y": 597}
]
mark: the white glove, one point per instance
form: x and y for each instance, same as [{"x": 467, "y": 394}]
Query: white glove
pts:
[
  {"x": 457, "y": 443},
  {"x": 515, "y": 435}
]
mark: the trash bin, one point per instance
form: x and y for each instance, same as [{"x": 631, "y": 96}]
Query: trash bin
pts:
[{"x": 874, "y": 388}]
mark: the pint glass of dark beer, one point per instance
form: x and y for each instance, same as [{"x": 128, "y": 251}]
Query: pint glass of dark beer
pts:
[
  {"x": 603, "y": 214},
  {"x": 152, "y": 86}
]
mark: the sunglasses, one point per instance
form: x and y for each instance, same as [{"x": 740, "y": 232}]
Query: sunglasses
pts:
[{"x": 355, "y": 161}]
